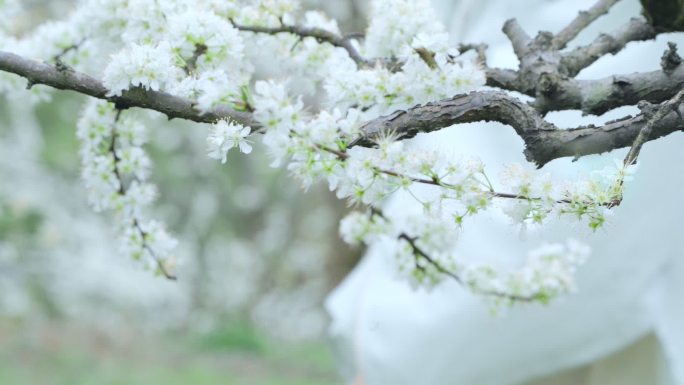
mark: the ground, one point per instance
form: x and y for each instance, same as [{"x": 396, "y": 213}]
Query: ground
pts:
[{"x": 59, "y": 354}]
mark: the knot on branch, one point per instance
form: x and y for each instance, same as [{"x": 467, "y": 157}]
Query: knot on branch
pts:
[
  {"x": 648, "y": 109},
  {"x": 621, "y": 81},
  {"x": 61, "y": 66},
  {"x": 670, "y": 59},
  {"x": 544, "y": 40},
  {"x": 548, "y": 83}
]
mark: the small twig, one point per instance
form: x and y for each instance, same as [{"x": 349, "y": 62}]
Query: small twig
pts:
[
  {"x": 581, "y": 22},
  {"x": 636, "y": 29},
  {"x": 420, "y": 253},
  {"x": 480, "y": 50},
  {"x": 112, "y": 150},
  {"x": 427, "y": 56},
  {"x": 435, "y": 181},
  {"x": 417, "y": 250},
  {"x": 319, "y": 34},
  {"x": 663, "y": 110},
  {"x": 160, "y": 264},
  {"x": 191, "y": 64},
  {"x": 58, "y": 58}
]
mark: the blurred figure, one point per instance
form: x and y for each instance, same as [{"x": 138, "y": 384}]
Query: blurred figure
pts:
[{"x": 624, "y": 326}]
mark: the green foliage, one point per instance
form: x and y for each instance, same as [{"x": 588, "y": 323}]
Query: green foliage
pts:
[
  {"x": 17, "y": 221},
  {"x": 72, "y": 356},
  {"x": 665, "y": 14},
  {"x": 234, "y": 336},
  {"x": 57, "y": 123}
]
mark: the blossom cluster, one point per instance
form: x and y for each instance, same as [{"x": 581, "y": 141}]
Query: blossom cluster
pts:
[
  {"x": 319, "y": 147},
  {"x": 406, "y": 30},
  {"x": 212, "y": 53},
  {"x": 425, "y": 244},
  {"x": 115, "y": 173},
  {"x": 425, "y": 254}
]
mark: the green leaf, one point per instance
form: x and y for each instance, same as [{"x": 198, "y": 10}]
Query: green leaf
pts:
[{"x": 665, "y": 15}]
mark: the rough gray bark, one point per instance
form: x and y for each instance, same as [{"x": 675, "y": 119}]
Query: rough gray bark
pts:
[
  {"x": 598, "y": 96},
  {"x": 543, "y": 141}
]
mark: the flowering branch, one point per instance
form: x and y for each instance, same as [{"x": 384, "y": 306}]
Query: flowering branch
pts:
[
  {"x": 321, "y": 35},
  {"x": 426, "y": 261},
  {"x": 422, "y": 255},
  {"x": 124, "y": 190},
  {"x": 200, "y": 65},
  {"x": 436, "y": 180},
  {"x": 544, "y": 142},
  {"x": 68, "y": 79}
]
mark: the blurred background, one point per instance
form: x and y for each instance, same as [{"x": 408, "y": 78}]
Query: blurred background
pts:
[
  {"x": 257, "y": 255},
  {"x": 257, "y": 258}
]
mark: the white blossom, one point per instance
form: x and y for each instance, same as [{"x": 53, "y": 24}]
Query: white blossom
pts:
[
  {"x": 115, "y": 172},
  {"x": 193, "y": 50},
  {"x": 148, "y": 66},
  {"x": 226, "y": 135}
]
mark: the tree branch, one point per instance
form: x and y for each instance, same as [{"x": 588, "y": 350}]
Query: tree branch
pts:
[
  {"x": 518, "y": 37},
  {"x": 544, "y": 141},
  {"x": 647, "y": 129},
  {"x": 582, "y": 21},
  {"x": 466, "y": 108},
  {"x": 545, "y": 146},
  {"x": 601, "y": 95},
  {"x": 67, "y": 79},
  {"x": 637, "y": 29},
  {"x": 502, "y": 78},
  {"x": 322, "y": 35},
  {"x": 547, "y": 74}
]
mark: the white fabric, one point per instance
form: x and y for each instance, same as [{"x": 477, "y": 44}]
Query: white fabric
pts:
[
  {"x": 639, "y": 364},
  {"x": 385, "y": 333}
]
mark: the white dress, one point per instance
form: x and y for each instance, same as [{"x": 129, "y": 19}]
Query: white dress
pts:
[{"x": 626, "y": 323}]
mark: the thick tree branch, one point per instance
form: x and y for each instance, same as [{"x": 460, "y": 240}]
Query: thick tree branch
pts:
[
  {"x": 581, "y": 22},
  {"x": 547, "y": 74},
  {"x": 67, "y": 79},
  {"x": 544, "y": 142},
  {"x": 601, "y": 95},
  {"x": 545, "y": 146},
  {"x": 473, "y": 107}
]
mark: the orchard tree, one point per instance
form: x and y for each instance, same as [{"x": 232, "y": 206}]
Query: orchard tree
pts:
[{"x": 340, "y": 107}]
